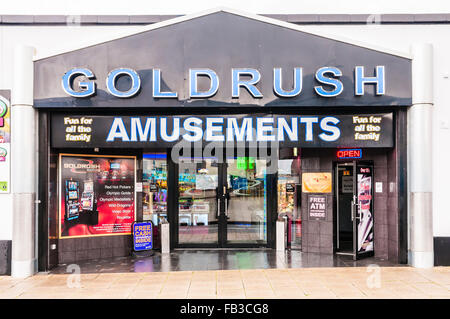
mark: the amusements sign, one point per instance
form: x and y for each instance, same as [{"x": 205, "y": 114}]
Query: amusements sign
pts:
[
  {"x": 317, "y": 207},
  {"x": 5, "y": 143},
  {"x": 97, "y": 195},
  {"x": 306, "y": 131}
]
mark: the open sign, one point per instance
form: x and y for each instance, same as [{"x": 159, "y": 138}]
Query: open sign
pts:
[{"x": 349, "y": 153}]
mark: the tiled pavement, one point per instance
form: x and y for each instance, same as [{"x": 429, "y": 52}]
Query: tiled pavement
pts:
[
  {"x": 228, "y": 259},
  {"x": 325, "y": 282}
]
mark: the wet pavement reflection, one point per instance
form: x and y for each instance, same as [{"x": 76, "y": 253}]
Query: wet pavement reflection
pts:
[{"x": 192, "y": 260}]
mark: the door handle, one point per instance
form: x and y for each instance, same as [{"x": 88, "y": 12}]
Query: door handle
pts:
[
  {"x": 352, "y": 210},
  {"x": 218, "y": 207},
  {"x": 354, "y": 213},
  {"x": 226, "y": 208}
]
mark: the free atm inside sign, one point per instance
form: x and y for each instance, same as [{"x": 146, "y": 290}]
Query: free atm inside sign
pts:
[{"x": 349, "y": 153}]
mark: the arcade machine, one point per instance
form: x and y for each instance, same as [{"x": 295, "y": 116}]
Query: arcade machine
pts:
[
  {"x": 88, "y": 203},
  {"x": 72, "y": 194},
  {"x": 87, "y": 197},
  {"x": 114, "y": 171}
]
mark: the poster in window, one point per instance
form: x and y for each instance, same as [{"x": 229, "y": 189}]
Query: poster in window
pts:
[
  {"x": 317, "y": 207},
  {"x": 365, "y": 225},
  {"x": 316, "y": 182},
  {"x": 97, "y": 195},
  {"x": 347, "y": 184}
]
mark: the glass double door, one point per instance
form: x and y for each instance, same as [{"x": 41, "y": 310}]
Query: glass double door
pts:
[
  {"x": 222, "y": 202},
  {"x": 354, "y": 204}
]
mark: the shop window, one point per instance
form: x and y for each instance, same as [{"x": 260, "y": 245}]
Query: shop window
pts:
[
  {"x": 154, "y": 187},
  {"x": 96, "y": 194}
]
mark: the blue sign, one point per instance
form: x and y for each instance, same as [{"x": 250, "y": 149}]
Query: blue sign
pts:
[{"x": 142, "y": 236}]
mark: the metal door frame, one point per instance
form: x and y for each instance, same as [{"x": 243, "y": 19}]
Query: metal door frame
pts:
[
  {"x": 337, "y": 185},
  {"x": 354, "y": 206},
  {"x": 222, "y": 218}
]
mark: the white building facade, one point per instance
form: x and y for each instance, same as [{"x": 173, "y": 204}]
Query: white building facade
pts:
[{"x": 408, "y": 172}]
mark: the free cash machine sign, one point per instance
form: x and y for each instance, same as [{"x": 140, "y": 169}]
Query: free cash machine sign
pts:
[{"x": 142, "y": 236}]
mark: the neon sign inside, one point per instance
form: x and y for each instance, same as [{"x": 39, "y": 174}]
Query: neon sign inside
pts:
[{"x": 349, "y": 153}]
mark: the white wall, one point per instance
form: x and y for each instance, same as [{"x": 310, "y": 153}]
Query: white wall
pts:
[
  {"x": 44, "y": 39},
  {"x": 47, "y": 39},
  {"x": 5, "y": 217},
  {"x": 121, "y": 7},
  {"x": 399, "y": 37}
]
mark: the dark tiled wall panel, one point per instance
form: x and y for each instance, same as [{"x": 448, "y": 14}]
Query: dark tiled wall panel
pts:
[
  {"x": 442, "y": 251},
  {"x": 72, "y": 250},
  {"x": 392, "y": 207},
  {"x": 5, "y": 257},
  {"x": 318, "y": 235}
]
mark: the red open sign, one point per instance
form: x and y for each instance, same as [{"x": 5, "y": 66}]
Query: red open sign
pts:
[{"x": 349, "y": 153}]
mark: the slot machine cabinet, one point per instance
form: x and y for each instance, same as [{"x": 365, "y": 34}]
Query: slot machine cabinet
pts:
[
  {"x": 115, "y": 172},
  {"x": 87, "y": 198},
  {"x": 88, "y": 204},
  {"x": 72, "y": 195}
]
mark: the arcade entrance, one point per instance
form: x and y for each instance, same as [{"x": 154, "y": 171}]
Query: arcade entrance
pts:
[
  {"x": 354, "y": 220},
  {"x": 223, "y": 202}
]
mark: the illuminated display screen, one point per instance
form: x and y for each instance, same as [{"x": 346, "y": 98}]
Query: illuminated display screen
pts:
[
  {"x": 245, "y": 163},
  {"x": 72, "y": 186},
  {"x": 73, "y": 195},
  {"x": 115, "y": 165}
]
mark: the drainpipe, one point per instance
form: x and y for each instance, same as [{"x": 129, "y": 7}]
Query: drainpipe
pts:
[
  {"x": 420, "y": 158},
  {"x": 23, "y": 164}
]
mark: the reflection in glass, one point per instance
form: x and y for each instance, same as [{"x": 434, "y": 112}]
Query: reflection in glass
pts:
[
  {"x": 197, "y": 184},
  {"x": 154, "y": 187},
  {"x": 288, "y": 197},
  {"x": 246, "y": 206}
]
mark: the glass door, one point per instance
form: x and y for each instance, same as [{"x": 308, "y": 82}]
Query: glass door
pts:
[
  {"x": 222, "y": 203},
  {"x": 344, "y": 191},
  {"x": 198, "y": 180},
  {"x": 354, "y": 209},
  {"x": 245, "y": 201},
  {"x": 363, "y": 211}
]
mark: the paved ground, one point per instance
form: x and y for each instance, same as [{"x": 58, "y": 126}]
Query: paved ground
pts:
[
  {"x": 228, "y": 259},
  {"x": 340, "y": 282}
]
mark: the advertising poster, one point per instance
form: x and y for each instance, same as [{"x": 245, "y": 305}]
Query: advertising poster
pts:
[
  {"x": 365, "y": 225},
  {"x": 347, "y": 184},
  {"x": 5, "y": 140},
  {"x": 317, "y": 207},
  {"x": 97, "y": 195},
  {"x": 143, "y": 236},
  {"x": 316, "y": 182}
]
